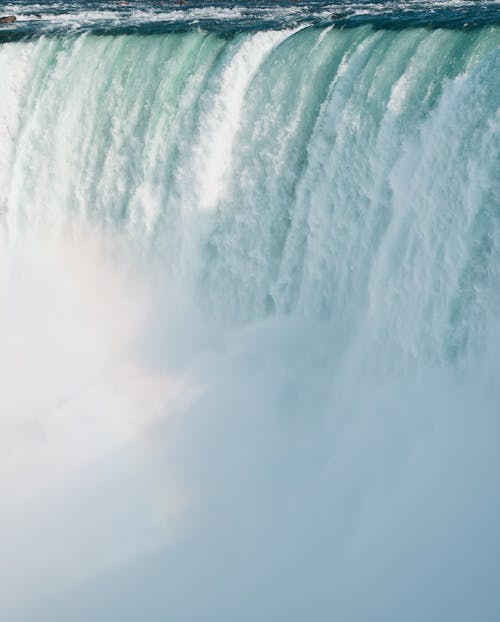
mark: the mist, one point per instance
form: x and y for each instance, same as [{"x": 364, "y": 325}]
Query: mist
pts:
[{"x": 161, "y": 468}]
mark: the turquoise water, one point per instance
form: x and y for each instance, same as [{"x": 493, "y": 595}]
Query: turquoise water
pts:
[{"x": 250, "y": 299}]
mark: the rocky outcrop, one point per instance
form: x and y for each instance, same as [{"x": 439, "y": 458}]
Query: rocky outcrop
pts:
[{"x": 7, "y": 19}]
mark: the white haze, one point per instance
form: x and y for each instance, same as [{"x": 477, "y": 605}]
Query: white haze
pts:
[{"x": 149, "y": 472}]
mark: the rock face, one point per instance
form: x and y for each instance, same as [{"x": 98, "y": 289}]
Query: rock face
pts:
[{"x": 6, "y": 19}]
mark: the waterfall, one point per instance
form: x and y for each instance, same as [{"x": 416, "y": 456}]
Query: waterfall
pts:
[{"x": 249, "y": 316}]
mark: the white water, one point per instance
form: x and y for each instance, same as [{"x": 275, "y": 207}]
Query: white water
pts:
[{"x": 249, "y": 327}]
